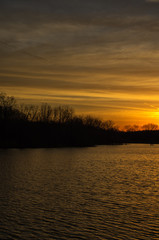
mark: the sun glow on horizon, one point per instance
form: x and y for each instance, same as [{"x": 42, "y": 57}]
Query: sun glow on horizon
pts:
[{"x": 99, "y": 57}]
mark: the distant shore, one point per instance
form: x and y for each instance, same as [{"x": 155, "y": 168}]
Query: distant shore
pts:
[
  {"x": 50, "y": 135},
  {"x": 30, "y": 126}
]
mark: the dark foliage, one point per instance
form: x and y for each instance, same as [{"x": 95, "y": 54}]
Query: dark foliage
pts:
[{"x": 43, "y": 126}]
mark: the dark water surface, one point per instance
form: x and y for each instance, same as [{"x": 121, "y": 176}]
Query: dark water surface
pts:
[{"x": 105, "y": 192}]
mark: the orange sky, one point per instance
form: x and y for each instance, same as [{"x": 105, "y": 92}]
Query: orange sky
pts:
[{"x": 101, "y": 57}]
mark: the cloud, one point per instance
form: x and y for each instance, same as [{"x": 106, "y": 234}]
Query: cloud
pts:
[
  {"x": 154, "y": 1},
  {"x": 79, "y": 11},
  {"x": 105, "y": 48}
]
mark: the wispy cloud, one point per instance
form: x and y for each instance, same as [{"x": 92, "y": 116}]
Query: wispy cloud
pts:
[
  {"x": 155, "y": 1},
  {"x": 88, "y": 47}
]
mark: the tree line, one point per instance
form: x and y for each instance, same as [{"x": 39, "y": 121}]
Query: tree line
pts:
[
  {"x": 47, "y": 126},
  {"x": 46, "y": 113}
]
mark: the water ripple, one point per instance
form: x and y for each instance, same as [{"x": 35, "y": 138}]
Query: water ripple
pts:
[{"x": 107, "y": 192}]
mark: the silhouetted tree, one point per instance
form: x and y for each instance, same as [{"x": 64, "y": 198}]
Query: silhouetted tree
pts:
[
  {"x": 31, "y": 112},
  {"x": 131, "y": 128},
  {"x": 7, "y": 107},
  {"x": 46, "y": 113},
  {"x": 6, "y": 101},
  {"x": 150, "y": 127},
  {"x": 47, "y": 126},
  {"x": 92, "y": 121},
  {"x": 63, "y": 114},
  {"x": 109, "y": 125}
]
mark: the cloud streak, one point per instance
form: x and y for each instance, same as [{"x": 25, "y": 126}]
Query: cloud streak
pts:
[{"x": 87, "y": 47}]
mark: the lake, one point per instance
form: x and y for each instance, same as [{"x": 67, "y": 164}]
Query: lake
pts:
[{"x": 103, "y": 192}]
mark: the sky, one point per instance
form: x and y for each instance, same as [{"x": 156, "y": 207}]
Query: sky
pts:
[{"x": 99, "y": 56}]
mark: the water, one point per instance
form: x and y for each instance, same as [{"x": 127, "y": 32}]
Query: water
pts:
[{"x": 105, "y": 192}]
